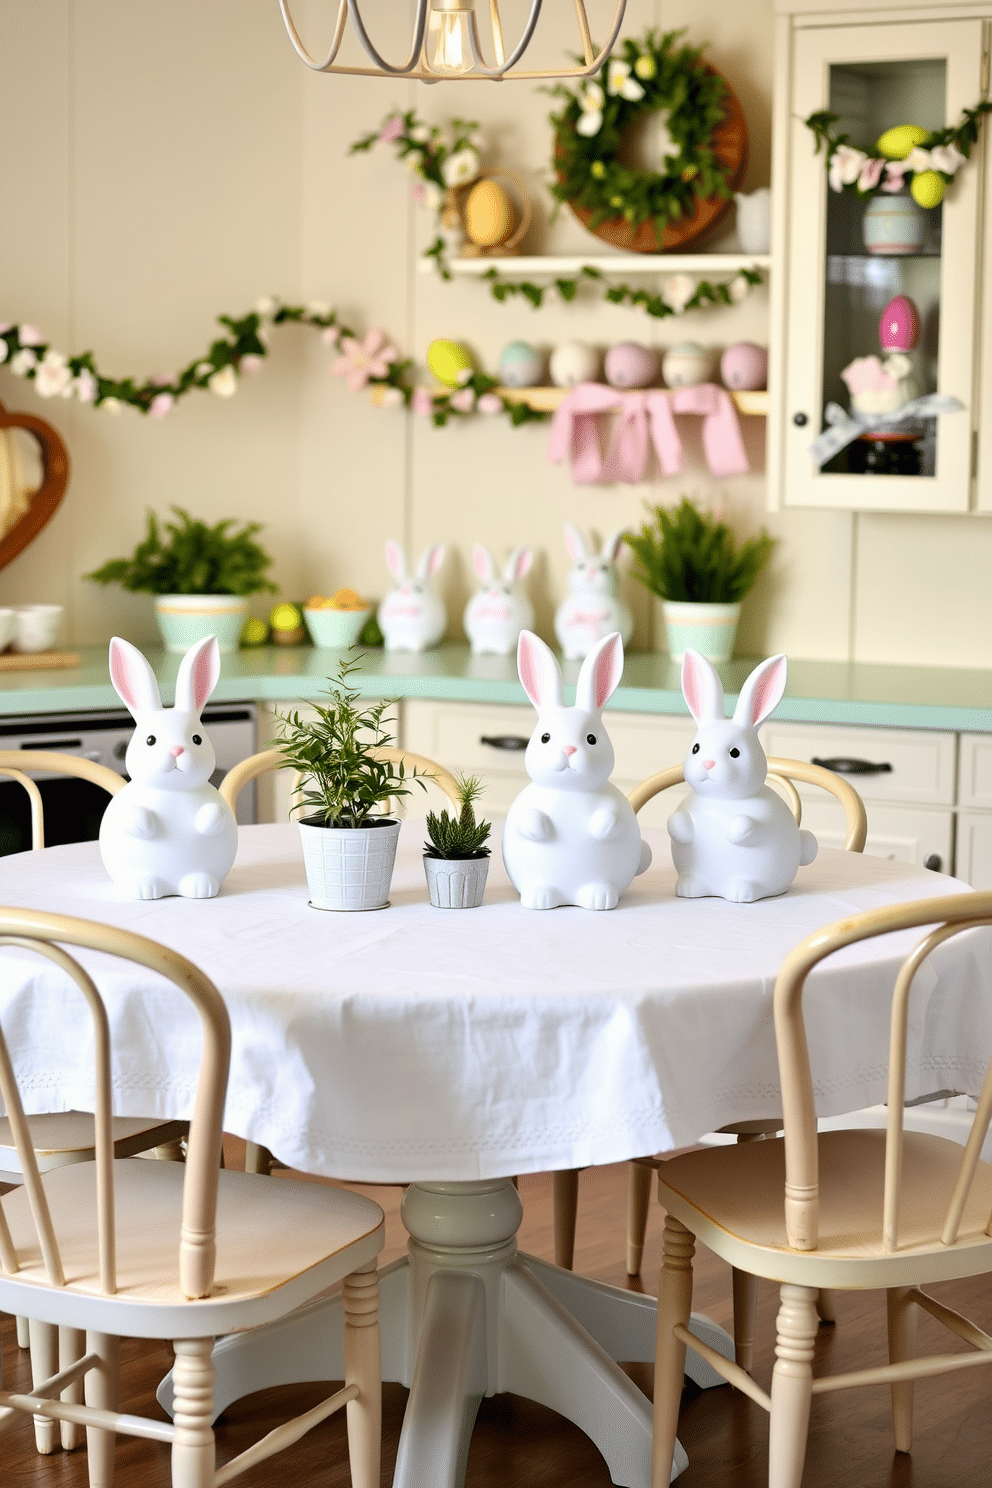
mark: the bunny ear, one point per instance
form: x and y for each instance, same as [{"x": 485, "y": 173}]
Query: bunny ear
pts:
[
  {"x": 600, "y": 673},
  {"x": 430, "y": 561},
  {"x": 395, "y": 560},
  {"x": 701, "y": 688},
  {"x": 482, "y": 562},
  {"x": 518, "y": 564},
  {"x": 761, "y": 692},
  {"x": 575, "y": 543},
  {"x": 612, "y": 545},
  {"x": 539, "y": 672},
  {"x": 133, "y": 679},
  {"x": 197, "y": 675}
]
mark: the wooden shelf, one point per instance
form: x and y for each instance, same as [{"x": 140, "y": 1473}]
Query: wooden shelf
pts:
[
  {"x": 550, "y": 265},
  {"x": 546, "y": 399}
]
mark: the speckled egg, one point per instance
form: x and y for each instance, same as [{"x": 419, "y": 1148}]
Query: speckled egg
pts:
[
  {"x": 573, "y": 362},
  {"x": 686, "y": 364},
  {"x": 744, "y": 366},
  {"x": 488, "y": 214},
  {"x": 521, "y": 365},
  {"x": 631, "y": 365},
  {"x": 899, "y": 325}
]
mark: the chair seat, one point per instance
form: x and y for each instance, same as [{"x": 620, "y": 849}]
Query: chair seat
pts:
[
  {"x": 731, "y": 1198},
  {"x": 272, "y": 1239},
  {"x": 68, "y": 1137}
]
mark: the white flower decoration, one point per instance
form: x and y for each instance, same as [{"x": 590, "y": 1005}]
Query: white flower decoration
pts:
[
  {"x": 460, "y": 167},
  {"x": 23, "y": 361},
  {"x": 266, "y": 306},
  {"x": 678, "y": 291},
  {"x": 391, "y": 397},
  {"x": 224, "y": 383},
  {"x": 85, "y": 386},
  {"x": 846, "y": 166},
  {"x": 53, "y": 378},
  {"x": 591, "y": 101},
  {"x": 4, "y": 350},
  {"x": 918, "y": 160},
  {"x": 420, "y": 133},
  {"x": 619, "y": 79},
  {"x": 433, "y": 196},
  {"x": 946, "y": 158},
  {"x": 112, "y": 406},
  {"x": 319, "y": 308},
  {"x": 203, "y": 369},
  {"x": 738, "y": 288}
]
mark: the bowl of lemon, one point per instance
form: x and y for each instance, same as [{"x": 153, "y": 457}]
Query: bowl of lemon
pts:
[{"x": 336, "y": 621}]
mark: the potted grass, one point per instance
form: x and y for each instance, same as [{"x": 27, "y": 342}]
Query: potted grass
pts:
[
  {"x": 456, "y": 858},
  {"x": 348, "y": 849},
  {"x": 692, "y": 561},
  {"x": 201, "y": 577}
]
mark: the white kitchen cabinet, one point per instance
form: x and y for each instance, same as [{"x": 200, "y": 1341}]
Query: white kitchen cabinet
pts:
[
  {"x": 974, "y": 825},
  {"x": 876, "y": 68}
]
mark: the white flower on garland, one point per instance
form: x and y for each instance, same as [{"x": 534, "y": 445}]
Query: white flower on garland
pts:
[
  {"x": 391, "y": 397},
  {"x": 22, "y": 362},
  {"x": 266, "y": 306},
  {"x": 738, "y": 288},
  {"x": 946, "y": 158},
  {"x": 86, "y": 387},
  {"x": 461, "y": 167},
  {"x": 318, "y": 308},
  {"x": 112, "y": 406},
  {"x": 619, "y": 79},
  {"x": 4, "y": 350},
  {"x": 846, "y": 166},
  {"x": 678, "y": 291},
  {"x": 591, "y": 101},
  {"x": 432, "y": 196},
  {"x": 53, "y": 376},
  {"x": 224, "y": 383}
]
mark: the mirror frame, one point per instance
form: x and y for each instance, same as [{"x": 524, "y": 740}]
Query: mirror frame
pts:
[{"x": 55, "y": 478}]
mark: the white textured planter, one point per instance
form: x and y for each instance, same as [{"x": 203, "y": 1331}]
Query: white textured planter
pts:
[
  {"x": 349, "y": 867},
  {"x": 456, "y": 883},
  {"x": 707, "y": 628},
  {"x": 184, "y": 619}
]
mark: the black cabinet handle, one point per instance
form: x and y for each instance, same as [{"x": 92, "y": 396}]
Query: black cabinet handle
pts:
[
  {"x": 934, "y": 862},
  {"x": 512, "y": 743},
  {"x": 800, "y": 420},
  {"x": 843, "y": 765}
]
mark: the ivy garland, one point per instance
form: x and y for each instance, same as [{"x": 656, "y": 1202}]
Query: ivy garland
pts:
[
  {"x": 654, "y": 76},
  {"x": 703, "y": 293},
  {"x": 926, "y": 167}
]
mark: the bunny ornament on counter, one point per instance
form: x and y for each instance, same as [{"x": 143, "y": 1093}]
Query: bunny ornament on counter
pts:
[
  {"x": 168, "y": 831},
  {"x": 593, "y": 607},
  {"x": 500, "y": 610},
  {"x": 412, "y": 617},
  {"x": 571, "y": 837},
  {"x": 734, "y": 837}
]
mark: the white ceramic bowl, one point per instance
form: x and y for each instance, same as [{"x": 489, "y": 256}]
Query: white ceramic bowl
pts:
[
  {"x": 335, "y": 627},
  {"x": 8, "y": 623},
  {"x": 35, "y": 627}
]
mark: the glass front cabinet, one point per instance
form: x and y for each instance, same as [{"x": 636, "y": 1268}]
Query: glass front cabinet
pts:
[{"x": 878, "y": 345}]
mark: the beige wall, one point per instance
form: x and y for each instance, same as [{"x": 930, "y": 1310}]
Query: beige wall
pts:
[{"x": 167, "y": 163}]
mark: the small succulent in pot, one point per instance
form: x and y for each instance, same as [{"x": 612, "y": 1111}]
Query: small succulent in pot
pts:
[{"x": 456, "y": 858}]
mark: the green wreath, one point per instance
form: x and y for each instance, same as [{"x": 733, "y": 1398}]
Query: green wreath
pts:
[{"x": 642, "y": 77}]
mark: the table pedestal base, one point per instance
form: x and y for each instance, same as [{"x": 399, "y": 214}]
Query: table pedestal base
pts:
[{"x": 463, "y": 1316}]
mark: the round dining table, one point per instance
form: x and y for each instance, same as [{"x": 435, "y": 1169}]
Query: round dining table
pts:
[{"x": 451, "y": 1050}]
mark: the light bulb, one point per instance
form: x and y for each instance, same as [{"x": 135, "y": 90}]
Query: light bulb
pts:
[{"x": 449, "y": 45}]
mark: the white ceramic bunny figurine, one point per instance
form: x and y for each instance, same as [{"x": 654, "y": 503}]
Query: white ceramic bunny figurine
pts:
[
  {"x": 168, "y": 831},
  {"x": 592, "y": 607},
  {"x": 571, "y": 837},
  {"x": 412, "y": 617},
  {"x": 500, "y": 610},
  {"x": 734, "y": 837}
]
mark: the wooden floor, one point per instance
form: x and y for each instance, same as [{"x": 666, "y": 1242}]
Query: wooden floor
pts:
[{"x": 517, "y": 1443}]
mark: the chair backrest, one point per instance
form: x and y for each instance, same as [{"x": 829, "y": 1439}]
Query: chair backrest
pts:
[
  {"x": 273, "y": 759},
  {"x": 14, "y": 762},
  {"x": 784, "y": 772},
  {"x": 48, "y": 935},
  {"x": 951, "y": 916}
]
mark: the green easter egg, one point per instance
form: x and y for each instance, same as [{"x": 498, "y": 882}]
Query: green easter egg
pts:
[
  {"x": 446, "y": 360},
  {"x": 896, "y": 143},
  {"x": 927, "y": 189}
]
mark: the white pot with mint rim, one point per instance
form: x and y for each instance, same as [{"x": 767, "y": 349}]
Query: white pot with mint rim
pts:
[
  {"x": 184, "y": 619},
  {"x": 709, "y": 629},
  {"x": 349, "y": 868}
]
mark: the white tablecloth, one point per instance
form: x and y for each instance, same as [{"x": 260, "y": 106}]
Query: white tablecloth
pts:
[{"x": 416, "y": 1043}]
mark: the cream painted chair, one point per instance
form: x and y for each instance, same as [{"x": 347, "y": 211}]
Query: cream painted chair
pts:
[
  {"x": 122, "y": 1248},
  {"x": 849, "y": 1210}
]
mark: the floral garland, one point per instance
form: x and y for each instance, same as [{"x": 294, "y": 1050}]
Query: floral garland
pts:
[
  {"x": 370, "y": 362},
  {"x": 681, "y": 292},
  {"x": 656, "y": 76},
  {"x": 925, "y": 162}
]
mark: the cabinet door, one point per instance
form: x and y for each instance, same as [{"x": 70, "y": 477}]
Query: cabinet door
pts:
[
  {"x": 900, "y": 833},
  {"x": 973, "y": 856},
  {"x": 912, "y": 766},
  {"x": 876, "y": 77}
]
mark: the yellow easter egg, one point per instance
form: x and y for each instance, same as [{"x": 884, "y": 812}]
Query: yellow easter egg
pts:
[
  {"x": 896, "y": 143},
  {"x": 447, "y": 360},
  {"x": 488, "y": 214},
  {"x": 927, "y": 189}
]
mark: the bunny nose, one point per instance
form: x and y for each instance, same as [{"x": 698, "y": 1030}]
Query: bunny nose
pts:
[
  {"x": 568, "y": 749},
  {"x": 176, "y": 751},
  {"x": 708, "y": 764}
]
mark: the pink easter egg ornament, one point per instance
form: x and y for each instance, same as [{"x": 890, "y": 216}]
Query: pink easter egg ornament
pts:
[
  {"x": 630, "y": 365},
  {"x": 899, "y": 326},
  {"x": 744, "y": 366}
]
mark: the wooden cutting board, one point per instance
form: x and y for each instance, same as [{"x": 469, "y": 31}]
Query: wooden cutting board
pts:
[{"x": 37, "y": 661}]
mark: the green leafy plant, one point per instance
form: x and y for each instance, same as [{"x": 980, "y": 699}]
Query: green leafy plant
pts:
[
  {"x": 687, "y": 554},
  {"x": 188, "y": 557},
  {"x": 459, "y": 836},
  {"x": 335, "y": 750}
]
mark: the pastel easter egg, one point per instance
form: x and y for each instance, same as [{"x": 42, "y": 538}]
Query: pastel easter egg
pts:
[
  {"x": 927, "y": 189},
  {"x": 686, "y": 364},
  {"x": 899, "y": 325},
  {"x": 488, "y": 214},
  {"x": 521, "y": 365},
  {"x": 447, "y": 361},
  {"x": 573, "y": 362},
  {"x": 897, "y": 142},
  {"x": 744, "y": 366},
  {"x": 631, "y": 365}
]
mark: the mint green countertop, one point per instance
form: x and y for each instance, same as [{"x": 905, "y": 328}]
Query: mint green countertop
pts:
[{"x": 818, "y": 691}]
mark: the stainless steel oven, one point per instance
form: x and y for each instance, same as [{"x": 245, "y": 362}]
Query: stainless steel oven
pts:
[{"x": 73, "y": 807}]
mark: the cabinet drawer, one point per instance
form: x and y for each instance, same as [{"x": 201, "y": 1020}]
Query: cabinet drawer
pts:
[
  {"x": 973, "y": 849},
  {"x": 922, "y": 763},
  {"x": 905, "y": 836},
  {"x": 975, "y": 771}
]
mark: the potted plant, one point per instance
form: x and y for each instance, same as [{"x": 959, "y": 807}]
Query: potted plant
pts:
[
  {"x": 456, "y": 858},
  {"x": 200, "y": 576},
  {"x": 692, "y": 561},
  {"x": 348, "y": 851}
]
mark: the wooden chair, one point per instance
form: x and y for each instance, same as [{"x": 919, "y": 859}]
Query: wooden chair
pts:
[
  {"x": 850, "y": 1210},
  {"x": 124, "y": 1248}
]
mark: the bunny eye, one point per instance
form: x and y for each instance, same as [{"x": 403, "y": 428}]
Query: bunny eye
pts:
[
  {"x": 150, "y": 739},
  {"x": 197, "y": 739},
  {"x": 735, "y": 754},
  {"x": 695, "y": 748},
  {"x": 590, "y": 738},
  {"x": 545, "y": 738}
]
